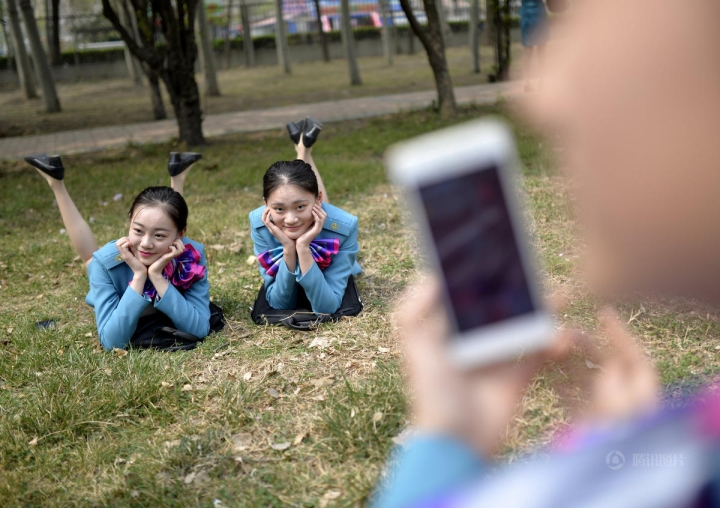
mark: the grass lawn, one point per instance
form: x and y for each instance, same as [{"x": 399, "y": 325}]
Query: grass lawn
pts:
[
  {"x": 255, "y": 416},
  {"x": 112, "y": 102}
]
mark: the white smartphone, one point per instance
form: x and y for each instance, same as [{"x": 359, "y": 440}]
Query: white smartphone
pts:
[{"x": 462, "y": 183}]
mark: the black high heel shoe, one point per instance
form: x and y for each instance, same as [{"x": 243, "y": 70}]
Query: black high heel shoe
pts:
[
  {"x": 295, "y": 130},
  {"x": 50, "y": 165},
  {"x": 311, "y": 131},
  {"x": 179, "y": 162}
]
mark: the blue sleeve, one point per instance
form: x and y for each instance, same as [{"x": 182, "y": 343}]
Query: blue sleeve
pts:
[
  {"x": 281, "y": 290},
  {"x": 116, "y": 315},
  {"x": 427, "y": 468},
  {"x": 190, "y": 311},
  {"x": 325, "y": 289}
]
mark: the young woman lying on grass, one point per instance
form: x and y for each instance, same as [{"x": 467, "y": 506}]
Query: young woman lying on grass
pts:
[
  {"x": 306, "y": 247},
  {"x": 154, "y": 269}
]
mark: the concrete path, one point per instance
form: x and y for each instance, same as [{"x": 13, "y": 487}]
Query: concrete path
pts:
[{"x": 101, "y": 138}]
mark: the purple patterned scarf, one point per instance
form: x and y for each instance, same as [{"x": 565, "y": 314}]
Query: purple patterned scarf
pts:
[
  {"x": 182, "y": 272},
  {"x": 322, "y": 250}
]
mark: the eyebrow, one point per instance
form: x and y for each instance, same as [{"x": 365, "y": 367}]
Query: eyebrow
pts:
[
  {"x": 294, "y": 202},
  {"x": 156, "y": 229}
]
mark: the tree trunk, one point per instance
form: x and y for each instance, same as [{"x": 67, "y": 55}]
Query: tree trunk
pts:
[
  {"x": 348, "y": 40},
  {"x": 25, "y": 72},
  {"x": 474, "y": 34},
  {"x": 280, "y": 38},
  {"x": 133, "y": 66},
  {"x": 207, "y": 54},
  {"x": 321, "y": 32},
  {"x": 248, "y": 47},
  {"x": 155, "y": 95},
  {"x": 445, "y": 27},
  {"x": 386, "y": 32},
  {"x": 226, "y": 47},
  {"x": 54, "y": 33},
  {"x": 185, "y": 99},
  {"x": 52, "y": 103},
  {"x": 432, "y": 41},
  {"x": 174, "y": 61}
]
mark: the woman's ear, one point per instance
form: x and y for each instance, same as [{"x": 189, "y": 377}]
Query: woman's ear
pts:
[
  {"x": 319, "y": 197},
  {"x": 181, "y": 234}
]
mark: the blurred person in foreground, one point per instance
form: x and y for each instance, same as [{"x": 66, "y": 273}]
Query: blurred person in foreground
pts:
[{"x": 634, "y": 92}]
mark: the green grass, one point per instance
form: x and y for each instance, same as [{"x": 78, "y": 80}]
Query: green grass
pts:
[
  {"x": 89, "y": 103},
  {"x": 81, "y": 427}
]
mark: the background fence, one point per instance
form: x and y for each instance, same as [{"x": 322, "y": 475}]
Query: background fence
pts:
[{"x": 86, "y": 28}]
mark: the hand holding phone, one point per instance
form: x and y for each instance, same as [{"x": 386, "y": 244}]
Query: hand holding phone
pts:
[{"x": 461, "y": 184}]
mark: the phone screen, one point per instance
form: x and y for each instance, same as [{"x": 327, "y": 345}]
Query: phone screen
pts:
[{"x": 479, "y": 256}]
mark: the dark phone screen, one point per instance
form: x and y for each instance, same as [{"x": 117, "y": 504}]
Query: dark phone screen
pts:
[{"x": 479, "y": 257}]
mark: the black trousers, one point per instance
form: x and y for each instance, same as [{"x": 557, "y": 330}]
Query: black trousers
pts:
[{"x": 302, "y": 317}]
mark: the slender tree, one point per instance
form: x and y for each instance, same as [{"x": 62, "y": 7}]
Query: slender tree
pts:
[
  {"x": 167, "y": 46},
  {"x": 321, "y": 32},
  {"x": 53, "y": 25},
  {"x": 386, "y": 32},
  {"x": 432, "y": 40},
  {"x": 281, "y": 43},
  {"x": 474, "y": 34},
  {"x": 207, "y": 54},
  {"x": 248, "y": 47},
  {"x": 348, "y": 40},
  {"x": 42, "y": 68},
  {"x": 25, "y": 72},
  {"x": 228, "y": 27}
]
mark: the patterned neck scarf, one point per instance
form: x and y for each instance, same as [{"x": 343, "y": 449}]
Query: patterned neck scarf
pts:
[
  {"x": 182, "y": 272},
  {"x": 322, "y": 250}
]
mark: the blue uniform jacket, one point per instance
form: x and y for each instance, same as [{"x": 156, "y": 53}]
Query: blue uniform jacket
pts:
[
  {"x": 118, "y": 308},
  {"x": 324, "y": 289}
]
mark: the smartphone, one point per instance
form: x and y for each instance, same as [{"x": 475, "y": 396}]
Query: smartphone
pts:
[{"x": 462, "y": 183}]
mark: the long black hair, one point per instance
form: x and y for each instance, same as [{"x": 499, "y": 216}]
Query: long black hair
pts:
[
  {"x": 172, "y": 202},
  {"x": 297, "y": 172}
]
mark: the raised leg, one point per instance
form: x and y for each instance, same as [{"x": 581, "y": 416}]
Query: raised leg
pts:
[
  {"x": 179, "y": 165},
  {"x": 81, "y": 236},
  {"x": 305, "y": 153}
]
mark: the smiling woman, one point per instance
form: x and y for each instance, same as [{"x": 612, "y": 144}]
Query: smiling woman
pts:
[
  {"x": 153, "y": 277},
  {"x": 306, "y": 248}
]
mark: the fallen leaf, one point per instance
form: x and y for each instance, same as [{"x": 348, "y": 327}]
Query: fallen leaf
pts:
[
  {"x": 319, "y": 342},
  {"x": 33, "y": 442},
  {"x": 10, "y": 330},
  {"x": 187, "y": 388},
  {"x": 172, "y": 444},
  {"x": 299, "y": 438},
  {"x": 134, "y": 494},
  {"x": 89, "y": 334},
  {"x": 108, "y": 371},
  {"x": 117, "y": 197},
  {"x": 352, "y": 413},
  {"x": 201, "y": 477},
  {"x": 281, "y": 446},
  {"x": 216, "y": 246},
  {"x": 378, "y": 416},
  {"x": 165, "y": 384},
  {"x": 330, "y": 495},
  {"x": 235, "y": 248},
  {"x": 189, "y": 478},
  {"x": 273, "y": 393},
  {"x": 60, "y": 352},
  {"x": 241, "y": 441},
  {"x": 251, "y": 260},
  {"x": 119, "y": 352},
  {"x": 320, "y": 382},
  {"x": 247, "y": 376},
  {"x": 384, "y": 349},
  {"x": 591, "y": 365}
]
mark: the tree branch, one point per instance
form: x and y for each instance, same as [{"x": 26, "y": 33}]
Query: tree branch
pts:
[
  {"x": 415, "y": 25},
  {"x": 144, "y": 54}
]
